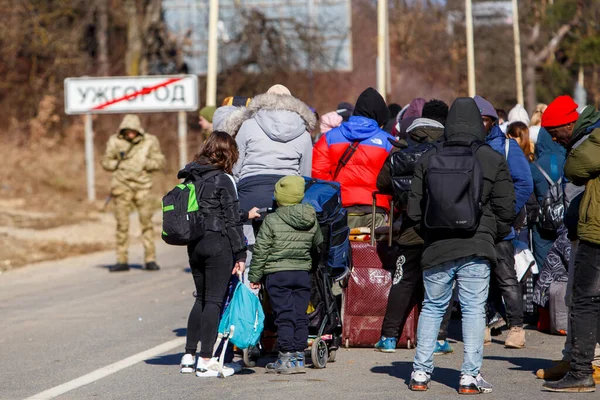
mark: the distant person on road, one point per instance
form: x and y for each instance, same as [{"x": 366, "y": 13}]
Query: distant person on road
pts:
[
  {"x": 465, "y": 256},
  {"x": 505, "y": 284},
  {"x": 132, "y": 155},
  {"x": 205, "y": 118},
  {"x": 580, "y": 134},
  {"x": 272, "y": 135},
  {"x": 220, "y": 253},
  {"x": 353, "y": 154}
]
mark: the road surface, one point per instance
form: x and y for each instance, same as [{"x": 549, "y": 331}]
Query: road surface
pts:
[{"x": 124, "y": 334}]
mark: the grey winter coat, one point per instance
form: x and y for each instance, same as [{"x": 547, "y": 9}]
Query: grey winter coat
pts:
[{"x": 272, "y": 137}]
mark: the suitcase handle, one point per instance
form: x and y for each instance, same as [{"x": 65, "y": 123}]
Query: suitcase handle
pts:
[{"x": 391, "y": 219}]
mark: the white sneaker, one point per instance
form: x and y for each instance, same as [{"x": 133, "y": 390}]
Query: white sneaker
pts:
[
  {"x": 473, "y": 384},
  {"x": 203, "y": 371},
  {"x": 214, "y": 366},
  {"x": 188, "y": 363}
]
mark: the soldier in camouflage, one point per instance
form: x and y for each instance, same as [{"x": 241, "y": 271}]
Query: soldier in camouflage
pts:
[{"x": 132, "y": 155}]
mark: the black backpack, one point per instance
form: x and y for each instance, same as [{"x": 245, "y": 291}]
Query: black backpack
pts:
[
  {"x": 552, "y": 208},
  {"x": 183, "y": 221},
  {"x": 453, "y": 190},
  {"x": 402, "y": 169}
]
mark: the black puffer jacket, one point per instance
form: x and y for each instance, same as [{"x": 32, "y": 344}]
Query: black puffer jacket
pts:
[
  {"x": 219, "y": 203},
  {"x": 498, "y": 198}
]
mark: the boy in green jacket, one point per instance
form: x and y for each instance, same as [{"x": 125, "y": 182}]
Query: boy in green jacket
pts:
[{"x": 282, "y": 254}]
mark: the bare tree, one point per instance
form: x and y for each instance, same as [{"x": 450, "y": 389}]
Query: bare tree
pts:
[
  {"x": 138, "y": 40},
  {"x": 102, "y": 37},
  {"x": 536, "y": 56}
]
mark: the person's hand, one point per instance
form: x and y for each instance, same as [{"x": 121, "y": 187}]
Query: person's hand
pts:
[
  {"x": 254, "y": 286},
  {"x": 253, "y": 213},
  {"x": 239, "y": 268}
]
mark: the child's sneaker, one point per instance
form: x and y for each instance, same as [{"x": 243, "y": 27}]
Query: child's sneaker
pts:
[
  {"x": 386, "y": 345},
  {"x": 188, "y": 363},
  {"x": 285, "y": 364},
  {"x": 300, "y": 369},
  {"x": 419, "y": 381},
  {"x": 442, "y": 348},
  {"x": 473, "y": 385}
]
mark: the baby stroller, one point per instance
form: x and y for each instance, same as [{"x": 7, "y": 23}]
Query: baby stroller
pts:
[{"x": 333, "y": 264}]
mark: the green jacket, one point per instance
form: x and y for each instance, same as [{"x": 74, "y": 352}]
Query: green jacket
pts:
[
  {"x": 583, "y": 168},
  {"x": 132, "y": 162},
  {"x": 285, "y": 241}
]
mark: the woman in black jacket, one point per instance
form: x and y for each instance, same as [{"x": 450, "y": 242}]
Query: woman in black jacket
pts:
[{"x": 220, "y": 253}]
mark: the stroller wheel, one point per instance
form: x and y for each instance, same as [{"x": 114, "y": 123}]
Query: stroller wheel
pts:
[
  {"x": 332, "y": 354},
  {"x": 319, "y": 353}
]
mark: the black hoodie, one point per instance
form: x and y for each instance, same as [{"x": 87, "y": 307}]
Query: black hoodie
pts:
[
  {"x": 464, "y": 124},
  {"x": 219, "y": 203},
  {"x": 371, "y": 105}
]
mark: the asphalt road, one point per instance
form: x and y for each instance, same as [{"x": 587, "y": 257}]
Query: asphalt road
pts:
[{"x": 63, "y": 320}]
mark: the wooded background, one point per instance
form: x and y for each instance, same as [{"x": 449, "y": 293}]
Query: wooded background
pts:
[{"x": 43, "y": 42}]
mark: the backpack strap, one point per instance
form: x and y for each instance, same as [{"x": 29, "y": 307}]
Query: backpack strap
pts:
[
  {"x": 545, "y": 174},
  {"x": 348, "y": 153}
]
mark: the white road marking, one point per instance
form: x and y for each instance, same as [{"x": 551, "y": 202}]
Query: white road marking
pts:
[{"x": 108, "y": 370}]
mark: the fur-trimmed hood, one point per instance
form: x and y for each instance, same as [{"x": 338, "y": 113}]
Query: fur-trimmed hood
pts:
[{"x": 281, "y": 117}]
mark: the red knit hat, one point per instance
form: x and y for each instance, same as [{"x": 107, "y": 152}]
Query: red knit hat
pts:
[{"x": 562, "y": 111}]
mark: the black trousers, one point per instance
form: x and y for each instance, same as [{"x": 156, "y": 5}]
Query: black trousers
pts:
[
  {"x": 506, "y": 284},
  {"x": 211, "y": 261},
  {"x": 406, "y": 290},
  {"x": 290, "y": 294},
  {"x": 585, "y": 308}
]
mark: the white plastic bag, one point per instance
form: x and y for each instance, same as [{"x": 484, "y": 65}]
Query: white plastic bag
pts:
[{"x": 524, "y": 260}]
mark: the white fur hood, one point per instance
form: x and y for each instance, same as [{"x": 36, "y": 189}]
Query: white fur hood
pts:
[{"x": 281, "y": 117}]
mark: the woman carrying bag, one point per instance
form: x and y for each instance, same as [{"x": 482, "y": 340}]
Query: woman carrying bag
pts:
[{"x": 218, "y": 254}]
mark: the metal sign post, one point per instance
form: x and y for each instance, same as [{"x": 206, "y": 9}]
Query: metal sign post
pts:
[
  {"x": 137, "y": 94},
  {"x": 89, "y": 158},
  {"x": 182, "y": 137}
]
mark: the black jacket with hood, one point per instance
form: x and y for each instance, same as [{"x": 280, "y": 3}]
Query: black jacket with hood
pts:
[
  {"x": 220, "y": 205},
  {"x": 423, "y": 134},
  {"x": 498, "y": 197}
]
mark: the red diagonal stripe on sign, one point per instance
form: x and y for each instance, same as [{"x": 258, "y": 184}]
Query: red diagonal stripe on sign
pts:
[{"x": 143, "y": 91}]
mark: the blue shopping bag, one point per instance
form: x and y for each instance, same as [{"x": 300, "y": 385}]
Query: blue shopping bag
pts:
[{"x": 245, "y": 313}]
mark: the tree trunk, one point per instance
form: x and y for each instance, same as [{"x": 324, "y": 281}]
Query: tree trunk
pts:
[
  {"x": 133, "y": 53},
  {"x": 102, "y": 38}
]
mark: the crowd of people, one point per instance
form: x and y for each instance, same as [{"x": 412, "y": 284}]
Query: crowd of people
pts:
[{"x": 484, "y": 185}]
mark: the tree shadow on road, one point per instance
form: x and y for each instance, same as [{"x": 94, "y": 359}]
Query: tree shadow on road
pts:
[
  {"x": 131, "y": 266},
  {"x": 180, "y": 332},
  {"x": 402, "y": 370},
  {"x": 523, "y": 363},
  {"x": 166, "y": 359}
]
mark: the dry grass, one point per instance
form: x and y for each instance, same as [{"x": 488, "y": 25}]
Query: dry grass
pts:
[{"x": 17, "y": 252}]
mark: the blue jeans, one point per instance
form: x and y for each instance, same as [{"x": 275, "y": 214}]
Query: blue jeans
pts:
[{"x": 473, "y": 278}]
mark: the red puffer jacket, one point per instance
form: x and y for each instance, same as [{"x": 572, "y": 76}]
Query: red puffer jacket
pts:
[{"x": 359, "y": 176}]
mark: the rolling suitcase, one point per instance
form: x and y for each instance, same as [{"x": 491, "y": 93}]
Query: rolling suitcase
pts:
[{"x": 366, "y": 295}]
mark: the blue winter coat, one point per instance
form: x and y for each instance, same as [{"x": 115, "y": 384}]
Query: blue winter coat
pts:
[
  {"x": 551, "y": 157},
  {"x": 518, "y": 165}
]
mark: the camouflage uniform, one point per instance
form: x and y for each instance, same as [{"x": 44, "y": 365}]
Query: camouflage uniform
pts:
[{"x": 132, "y": 164}]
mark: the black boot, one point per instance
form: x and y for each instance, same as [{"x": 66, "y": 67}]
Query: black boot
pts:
[
  {"x": 118, "y": 268},
  {"x": 571, "y": 384},
  {"x": 152, "y": 266}
]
